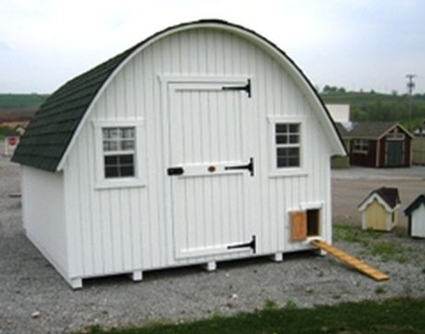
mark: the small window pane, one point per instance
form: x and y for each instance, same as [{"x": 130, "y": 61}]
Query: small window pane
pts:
[
  {"x": 110, "y": 133},
  {"x": 111, "y": 160},
  {"x": 127, "y": 145},
  {"x": 110, "y": 146},
  {"x": 281, "y": 128},
  {"x": 288, "y": 157},
  {"x": 127, "y": 171},
  {"x": 106, "y": 133},
  {"x": 127, "y": 132},
  {"x": 111, "y": 172},
  {"x": 126, "y": 159},
  {"x": 281, "y": 139},
  {"x": 294, "y": 139},
  {"x": 293, "y": 128}
]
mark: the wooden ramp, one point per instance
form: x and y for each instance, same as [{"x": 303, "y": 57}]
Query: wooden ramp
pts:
[{"x": 352, "y": 261}]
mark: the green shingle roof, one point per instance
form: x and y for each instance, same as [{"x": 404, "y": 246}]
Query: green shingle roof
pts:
[{"x": 52, "y": 127}]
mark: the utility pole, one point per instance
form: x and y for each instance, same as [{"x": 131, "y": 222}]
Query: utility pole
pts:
[{"x": 410, "y": 87}]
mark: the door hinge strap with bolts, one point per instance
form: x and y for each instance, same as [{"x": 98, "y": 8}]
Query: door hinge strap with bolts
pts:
[
  {"x": 246, "y": 88},
  {"x": 251, "y": 244},
  {"x": 249, "y": 167}
]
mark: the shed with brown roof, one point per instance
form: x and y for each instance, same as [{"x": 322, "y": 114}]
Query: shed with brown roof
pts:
[{"x": 377, "y": 144}]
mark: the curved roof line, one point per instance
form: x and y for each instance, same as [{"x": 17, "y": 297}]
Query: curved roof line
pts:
[{"x": 53, "y": 129}]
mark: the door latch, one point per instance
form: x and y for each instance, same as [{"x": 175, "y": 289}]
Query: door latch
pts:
[{"x": 175, "y": 171}]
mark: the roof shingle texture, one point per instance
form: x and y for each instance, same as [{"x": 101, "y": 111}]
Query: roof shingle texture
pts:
[
  {"x": 366, "y": 130},
  {"x": 52, "y": 127}
]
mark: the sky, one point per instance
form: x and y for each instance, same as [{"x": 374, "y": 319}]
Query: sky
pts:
[{"x": 357, "y": 44}]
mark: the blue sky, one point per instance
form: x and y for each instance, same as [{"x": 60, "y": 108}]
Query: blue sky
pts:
[{"x": 358, "y": 44}]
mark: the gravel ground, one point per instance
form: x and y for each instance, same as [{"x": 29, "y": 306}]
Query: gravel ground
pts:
[{"x": 35, "y": 299}]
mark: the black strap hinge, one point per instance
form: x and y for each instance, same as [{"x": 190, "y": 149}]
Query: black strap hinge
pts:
[
  {"x": 251, "y": 244},
  {"x": 246, "y": 88},
  {"x": 249, "y": 167}
]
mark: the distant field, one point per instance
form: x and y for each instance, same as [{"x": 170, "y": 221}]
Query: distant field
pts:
[
  {"x": 21, "y": 101},
  {"x": 19, "y": 107},
  {"x": 365, "y": 106},
  {"x": 362, "y": 100}
]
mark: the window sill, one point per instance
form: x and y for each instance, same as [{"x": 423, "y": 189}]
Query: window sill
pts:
[
  {"x": 288, "y": 173},
  {"x": 120, "y": 183}
]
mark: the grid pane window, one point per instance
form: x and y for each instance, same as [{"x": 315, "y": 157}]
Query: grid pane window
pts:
[
  {"x": 361, "y": 146},
  {"x": 119, "y": 145},
  {"x": 288, "y": 144}
]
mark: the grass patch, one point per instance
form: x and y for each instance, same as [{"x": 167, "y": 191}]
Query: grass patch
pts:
[
  {"x": 380, "y": 289},
  {"x": 3, "y": 132},
  {"x": 373, "y": 244},
  {"x": 389, "y": 316},
  {"x": 349, "y": 233},
  {"x": 388, "y": 251},
  {"x": 270, "y": 305}
]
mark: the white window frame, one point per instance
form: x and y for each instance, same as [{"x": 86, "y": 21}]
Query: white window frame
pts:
[
  {"x": 286, "y": 171},
  {"x": 139, "y": 178},
  {"x": 396, "y": 136},
  {"x": 360, "y": 142}
]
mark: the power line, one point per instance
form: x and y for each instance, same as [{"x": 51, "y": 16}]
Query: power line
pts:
[{"x": 410, "y": 87}]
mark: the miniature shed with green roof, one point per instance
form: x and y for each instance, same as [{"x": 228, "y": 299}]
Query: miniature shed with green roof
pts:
[{"x": 192, "y": 147}]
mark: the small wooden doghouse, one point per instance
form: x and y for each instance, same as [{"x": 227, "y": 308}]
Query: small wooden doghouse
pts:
[
  {"x": 380, "y": 209},
  {"x": 416, "y": 214},
  {"x": 377, "y": 144},
  {"x": 193, "y": 146}
]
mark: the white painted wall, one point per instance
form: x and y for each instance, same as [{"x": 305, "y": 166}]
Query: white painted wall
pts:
[
  {"x": 418, "y": 222},
  {"x": 340, "y": 113},
  {"x": 125, "y": 229},
  {"x": 44, "y": 216}
]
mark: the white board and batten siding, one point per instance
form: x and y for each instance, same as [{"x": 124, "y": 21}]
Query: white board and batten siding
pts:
[
  {"x": 45, "y": 225},
  {"x": 418, "y": 222},
  {"x": 171, "y": 91},
  {"x": 206, "y": 185}
]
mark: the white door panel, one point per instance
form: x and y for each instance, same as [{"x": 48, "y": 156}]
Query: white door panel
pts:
[{"x": 210, "y": 169}]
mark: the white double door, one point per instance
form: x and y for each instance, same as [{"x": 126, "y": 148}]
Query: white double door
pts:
[{"x": 211, "y": 168}]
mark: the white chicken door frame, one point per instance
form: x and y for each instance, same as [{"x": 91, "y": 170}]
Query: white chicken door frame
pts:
[{"x": 210, "y": 166}]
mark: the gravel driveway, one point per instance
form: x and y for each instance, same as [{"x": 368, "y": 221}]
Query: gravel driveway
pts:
[{"x": 35, "y": 299}]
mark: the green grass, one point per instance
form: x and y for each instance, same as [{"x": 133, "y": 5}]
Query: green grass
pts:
[
  {"x": 373, "y": 244},
  {"x": 388, "y": 251},
  {"x": 350, "y": 233},
  {"x": 3, "y": 132},
  {"x": 389, "y": 316}
]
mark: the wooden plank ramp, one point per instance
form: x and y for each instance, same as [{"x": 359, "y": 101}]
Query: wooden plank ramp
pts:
[{"x": 352, "y": 261}]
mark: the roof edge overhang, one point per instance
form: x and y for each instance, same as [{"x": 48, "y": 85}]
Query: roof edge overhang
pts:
[
  {"x": 392, "y": 127},
  {"x": 420, "y": 200},
  {"x": 375, "y": 196},
  {"x": 272, "y": 49}
]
